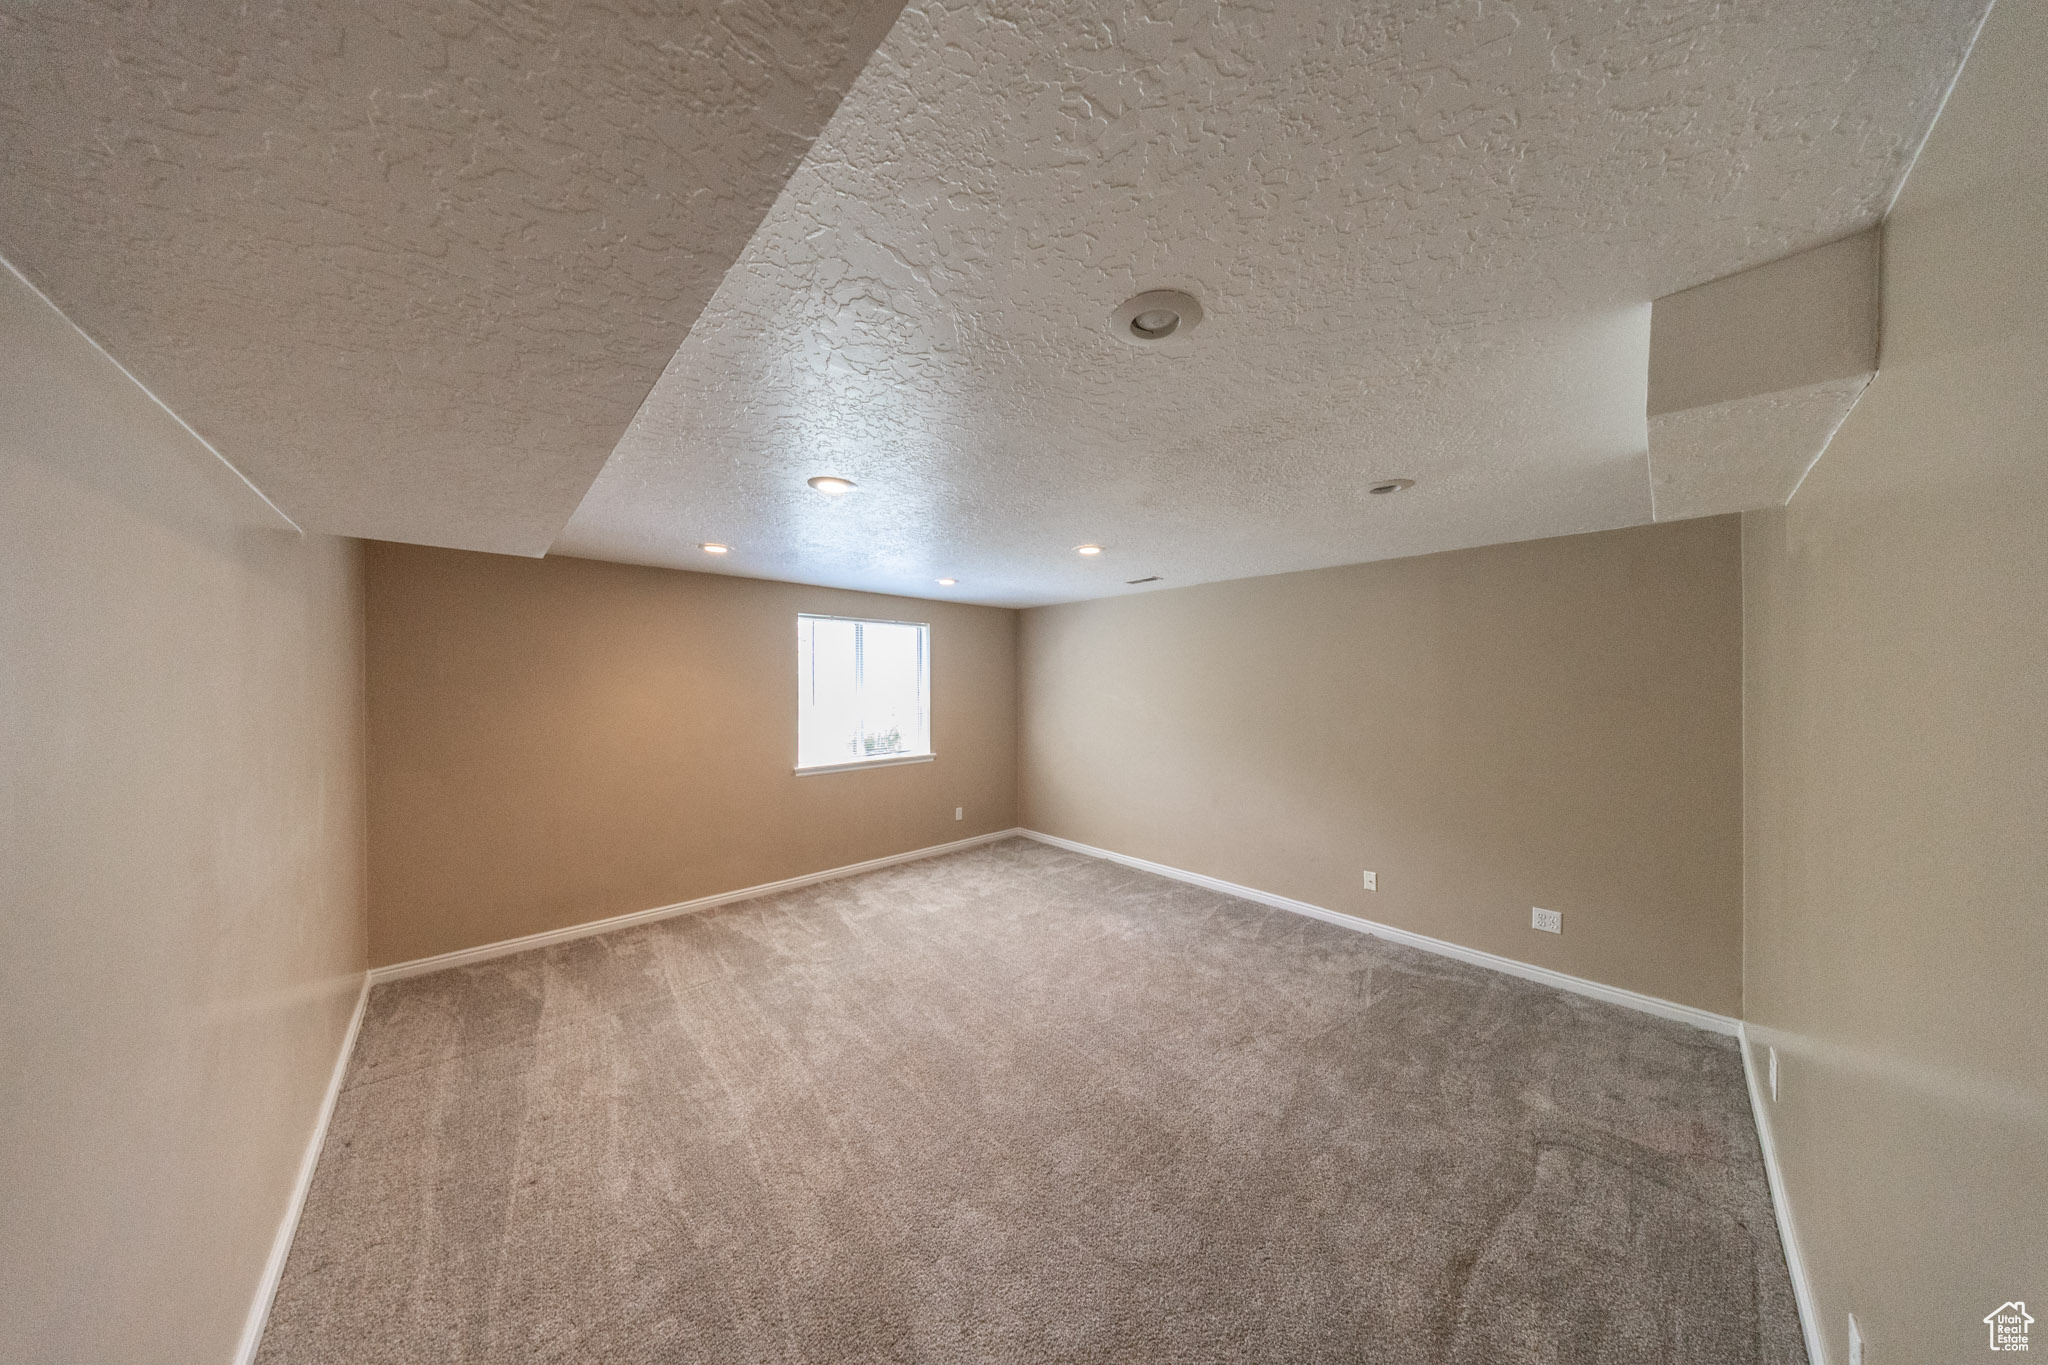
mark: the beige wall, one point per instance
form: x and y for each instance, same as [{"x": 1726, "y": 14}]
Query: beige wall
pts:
[
  {"x": 556, "y": 741},
  {"x": 1897, "y": 696},
  {"x": 1551, "y": 723},
  {"x": 180, "y": 861}
]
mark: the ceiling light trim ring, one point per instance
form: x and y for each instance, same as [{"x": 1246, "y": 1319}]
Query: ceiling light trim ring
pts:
[{"x": 1155, "y": 316}]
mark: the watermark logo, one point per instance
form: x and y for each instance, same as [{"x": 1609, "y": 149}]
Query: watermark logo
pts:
[{"x": 2008, "y": 1324}]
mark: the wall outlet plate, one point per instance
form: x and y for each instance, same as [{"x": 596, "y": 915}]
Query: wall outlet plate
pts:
[
  {"x": 1549, "y": 921},
  {"x": 1372, "y": 881},
  {"x": 959, "y": 812}
]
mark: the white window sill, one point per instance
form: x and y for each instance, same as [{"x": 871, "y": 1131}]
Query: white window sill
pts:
[{"x": 891, "y": 761}]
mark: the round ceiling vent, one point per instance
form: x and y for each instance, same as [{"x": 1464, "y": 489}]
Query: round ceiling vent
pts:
[{"x": 1155, "y": 315}]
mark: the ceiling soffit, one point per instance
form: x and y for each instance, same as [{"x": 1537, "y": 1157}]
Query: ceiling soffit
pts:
[
  {"x": 411, "y": 266},
  {"x": 1752, "y": 374}
]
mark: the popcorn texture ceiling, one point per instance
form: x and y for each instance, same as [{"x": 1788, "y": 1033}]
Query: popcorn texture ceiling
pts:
[
  {"x": 1425, "y": 236},
  {"x": 409, "y": 265},
  {"x": 413, "y": 267}
]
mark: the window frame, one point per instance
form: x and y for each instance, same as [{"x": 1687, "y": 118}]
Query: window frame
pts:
[{"x": 885, "y": 760}]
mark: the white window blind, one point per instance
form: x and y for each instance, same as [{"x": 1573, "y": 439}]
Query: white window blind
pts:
[{"x": 863, "y": 691}]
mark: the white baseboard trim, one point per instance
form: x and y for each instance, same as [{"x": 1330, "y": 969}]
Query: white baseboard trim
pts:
[
  {"x": 462, "y": 957},
  {"x": 281, "y": 1244},
  {"x": 1781, "y": 1206},
  {"x": 1577, "y": 985}
]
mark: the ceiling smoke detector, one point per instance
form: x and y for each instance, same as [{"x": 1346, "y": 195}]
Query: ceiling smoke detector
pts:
[
  {"x": 1155, "y": 315},
  {"x": 1389, "y": 485}
]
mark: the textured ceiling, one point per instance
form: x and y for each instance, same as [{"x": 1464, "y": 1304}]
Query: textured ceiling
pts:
[
  {"x": 1426, "y": 237},
  {"x": 410, "y": 264}
]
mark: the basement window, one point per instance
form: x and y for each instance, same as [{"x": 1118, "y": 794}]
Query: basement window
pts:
[{"x": 863, "y": 693}]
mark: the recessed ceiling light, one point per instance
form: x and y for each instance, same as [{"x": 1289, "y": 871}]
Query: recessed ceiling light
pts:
[
  {"x": 714, "y": 548},
  {"x": 1153, "y": 316},
  {"x": 1087, "y": 549},
  {"x": 948, "y": 582},
  {"x": 831, "y": 483},
  {"x": 1390, "y": 485}
]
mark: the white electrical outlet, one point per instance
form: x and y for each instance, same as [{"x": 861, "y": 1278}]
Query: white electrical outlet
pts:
[
  {"x": 1549, "y": 921},
  {"x": 1857, "y": 1355},
  {"x": 959, "y": 812},
  {"x": 1372, "y": 881},
  {"x": 1774, "y": 1074}
]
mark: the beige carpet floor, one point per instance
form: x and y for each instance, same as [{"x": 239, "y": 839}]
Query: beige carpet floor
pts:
[{"x": 1016, "y": 1104}]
